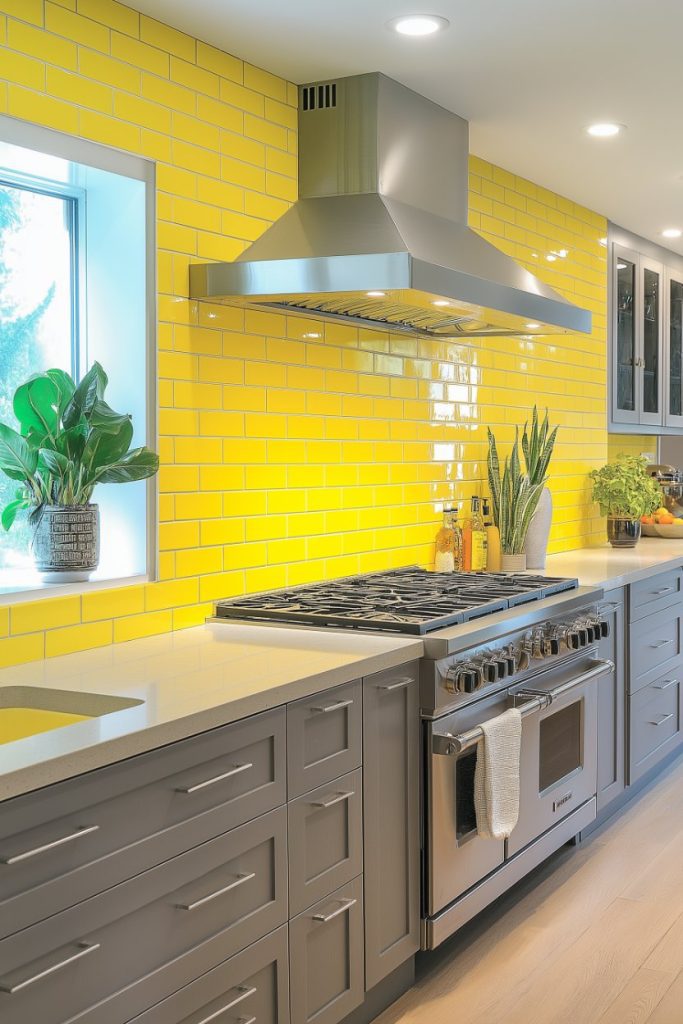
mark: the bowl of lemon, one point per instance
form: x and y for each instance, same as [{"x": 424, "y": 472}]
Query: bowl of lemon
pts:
[{"x": 662, "y": 524}]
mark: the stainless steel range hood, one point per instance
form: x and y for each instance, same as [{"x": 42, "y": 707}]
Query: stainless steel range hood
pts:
[{"x": 379, "y": 235}]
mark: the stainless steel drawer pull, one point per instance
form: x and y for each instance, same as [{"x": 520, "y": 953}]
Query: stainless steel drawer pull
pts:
[
  {"x": 336, "y": 799},
  {"x": 398, "y": 685},
  {"x": 662, "y": 643},
  {"x": 240, "y": 880},
  {"x": 235, "y": 770},
  {"x": 84, "y": 949},
  {"x": 27, "y": 854},
  {"x": 333, "y": 707},
  {"x": 664, "y": 590},
  {"x": 341, "y": 909},
  {"x": 667, "y": 684},
  {"x": 663, "y": 719},
  {"x": 244, "y": 994}
]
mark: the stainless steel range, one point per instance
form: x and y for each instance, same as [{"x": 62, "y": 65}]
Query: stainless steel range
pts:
[{"x": 492, "y": 641}]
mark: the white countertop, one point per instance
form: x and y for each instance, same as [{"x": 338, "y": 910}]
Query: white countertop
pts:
[
  {"x": 188, "y": 682},
  {"x": 615, "y": 567}
]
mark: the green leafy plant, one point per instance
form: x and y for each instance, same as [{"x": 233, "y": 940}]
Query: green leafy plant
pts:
[
  {"x": 538, "y": 446},
  {"x": 69, "y": 441},
  {"x": 514, "y": 497},
  {"x": 625, "y": 489}
]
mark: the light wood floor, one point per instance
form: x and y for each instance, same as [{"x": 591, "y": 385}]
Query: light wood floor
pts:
[{"x": 595, "y": 934}]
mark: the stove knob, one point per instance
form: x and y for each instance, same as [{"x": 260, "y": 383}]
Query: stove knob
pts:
[
  {"x": 604, "y": 628},
  {"x": 490, "y": 672},
  {"x": 583, "y": 636},
  {"x": 552, "y": 646},
  {"x": 573, "y": 642},
  {"x": 502, "y": 667},
  {"x": 467, "y": 681},
  {"x": 511, "y": 664}
]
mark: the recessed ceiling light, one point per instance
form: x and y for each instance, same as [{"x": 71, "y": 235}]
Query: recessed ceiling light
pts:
[
  {"x": 604, "y": 129},
  {"x": 672, "y": 233},
  {"x": 531, "y": 327},
  {"x": 418, "y": 24},
  {"x": 375, "y": 295}
]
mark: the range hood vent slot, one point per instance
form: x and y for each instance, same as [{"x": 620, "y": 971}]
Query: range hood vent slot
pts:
[{"x": 319, "y": 97}]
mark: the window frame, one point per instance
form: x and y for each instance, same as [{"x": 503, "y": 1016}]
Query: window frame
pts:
[{"x": 49, "y": 142}]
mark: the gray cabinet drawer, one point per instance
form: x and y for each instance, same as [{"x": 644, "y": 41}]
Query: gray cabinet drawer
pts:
[
  {"x": 65, "y": 843},
  {"x": 326, "y": 958},
  {"x": 325, "y": 840},
  {"x": 324, "y": 737},
  {"x": 155, "y": 933},
  {"x": 655, "y": 644},
  {"x": 655, "y": 723},
  {"x": 655, "y": 593},
  {"x": 251, "y": 986}
]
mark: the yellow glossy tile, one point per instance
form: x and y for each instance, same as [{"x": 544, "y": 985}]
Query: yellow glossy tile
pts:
[
  {"x": 132, "y": 627},
  {"x": 69, "y": 639},
  {"x": 34, "y": 616},
  {"x": 109, "y": 604}
]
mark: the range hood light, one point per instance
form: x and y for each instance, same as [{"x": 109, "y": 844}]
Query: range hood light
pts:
[
  {"x": 375, "y": 295},
  {"x": 441, "y": 302},
  {"x": 531, "y": 327}
]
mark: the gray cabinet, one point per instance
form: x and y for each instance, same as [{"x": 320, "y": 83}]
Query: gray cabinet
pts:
[
  {"x": 612, "y": 704},
  {"x": 391, "y": 767},
  {"x": 656, "y": 727},
  {"x": 326, "y": 958},
  {"x": 324, "y": 737}
]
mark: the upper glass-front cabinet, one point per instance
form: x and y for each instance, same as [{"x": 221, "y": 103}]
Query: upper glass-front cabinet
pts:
[{"x": 673, "y": 413}]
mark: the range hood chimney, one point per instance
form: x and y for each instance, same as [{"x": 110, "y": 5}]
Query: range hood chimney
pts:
[{"x": 379, "y": 236}]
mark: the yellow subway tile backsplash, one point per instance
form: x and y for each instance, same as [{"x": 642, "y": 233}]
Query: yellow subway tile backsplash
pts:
[{"x": 285, "y": 457}]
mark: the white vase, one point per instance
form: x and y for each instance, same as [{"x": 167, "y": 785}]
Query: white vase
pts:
[
  {"x": 536, "y": 545},
  {"x": 512, "y": 563}
]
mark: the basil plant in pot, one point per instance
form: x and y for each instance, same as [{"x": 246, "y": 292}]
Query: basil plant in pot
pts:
[
  {"x": 625, "y": 491},
  {"x": 69, "y": 440},
  {"x": 514, "y": 500}
]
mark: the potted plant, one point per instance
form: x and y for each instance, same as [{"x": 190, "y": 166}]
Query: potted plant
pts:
[
  {"x": 69, "y": 441},
  {"x": 537, "y": 446},
  {"x": 625, "y": 491},
  {"x": 514, "y": 500}
]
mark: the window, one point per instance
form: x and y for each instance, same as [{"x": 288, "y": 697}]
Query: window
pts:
[{"x": 77, "y": 285}]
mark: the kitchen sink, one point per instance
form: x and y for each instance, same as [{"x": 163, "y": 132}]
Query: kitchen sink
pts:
[{"x": 30, "y": 710}]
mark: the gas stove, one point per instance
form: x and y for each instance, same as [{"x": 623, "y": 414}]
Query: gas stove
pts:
[{"x": 408, "y": 600}]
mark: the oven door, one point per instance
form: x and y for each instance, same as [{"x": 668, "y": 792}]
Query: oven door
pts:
[
  {"x": 456, "y": 857},
  {"x": 558, "y": 763}
]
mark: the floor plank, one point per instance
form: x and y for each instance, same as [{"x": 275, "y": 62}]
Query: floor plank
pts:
[{"x": 593, "y": 935}]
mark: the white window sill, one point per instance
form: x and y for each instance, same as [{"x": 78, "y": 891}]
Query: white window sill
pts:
[{"x": 20, "y": 585}]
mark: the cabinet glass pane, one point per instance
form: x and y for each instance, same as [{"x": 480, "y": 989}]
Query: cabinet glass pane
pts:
[
  {"x": 675, "y": 348},
  {"x": 626, "y": 335},
  {"x": 650, "y": 341}
]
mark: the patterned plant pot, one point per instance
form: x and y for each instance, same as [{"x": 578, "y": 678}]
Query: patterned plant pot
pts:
[{"x": 66, "y": 543}]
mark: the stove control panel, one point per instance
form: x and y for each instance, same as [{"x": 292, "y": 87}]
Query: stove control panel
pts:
[{"x": 497, "y": 664}]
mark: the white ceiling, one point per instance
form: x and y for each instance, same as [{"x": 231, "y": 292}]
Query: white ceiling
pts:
[{"x": 528, "y": 74}]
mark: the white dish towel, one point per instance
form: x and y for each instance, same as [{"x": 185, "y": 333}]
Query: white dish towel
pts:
[{"x": 496, "y": 777}]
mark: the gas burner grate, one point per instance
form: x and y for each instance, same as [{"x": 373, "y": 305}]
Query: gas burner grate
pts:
[{"x": 409, "y": 600}]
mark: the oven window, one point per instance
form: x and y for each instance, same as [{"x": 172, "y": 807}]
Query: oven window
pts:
[
  {"x": 465, "y": 817},
  {"x": 560, "y": 746}
]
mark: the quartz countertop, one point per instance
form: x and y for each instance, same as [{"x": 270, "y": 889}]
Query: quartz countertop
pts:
[
  {"x": 188, "y": 682},
  {"x": 610, "y": 567}
]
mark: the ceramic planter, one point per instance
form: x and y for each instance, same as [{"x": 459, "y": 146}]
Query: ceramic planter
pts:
[
  {"x": 623, "y": 533},
  {"x": 66, "y": 543},
  {"x": 513, "y": 563},
  {"x": 536, "y": 545}
]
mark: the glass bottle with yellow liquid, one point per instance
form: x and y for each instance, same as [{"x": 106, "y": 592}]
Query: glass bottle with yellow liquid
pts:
[{"x": 479, "y": 538}]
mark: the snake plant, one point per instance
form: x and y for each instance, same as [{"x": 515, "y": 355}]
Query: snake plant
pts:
[
  {"x": 537, "y": 446},
  {"x": 513, "y": 496},
  {"x": 69, "y": 440}
]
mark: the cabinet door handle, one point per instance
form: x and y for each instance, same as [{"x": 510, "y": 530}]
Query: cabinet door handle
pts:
[
  {"x": 235, "y": 770},
  {"x": 344, "y": 905},
  {"x": 664, "y": 590},
  {"x": 219, "y": 892},
  {"x": 662, "y": 643},
  {"x": 667, "y": 684},
  {"x": 336, "y": 799},
  {"x": 244, "y": 994},
  {"x": 84, "y": 949},
  {"x": 325, "y": 709},
  {"x": 27, "y": 854},
  {"x": 663, "y": 719},
  {"x": 398, "y": 685}
]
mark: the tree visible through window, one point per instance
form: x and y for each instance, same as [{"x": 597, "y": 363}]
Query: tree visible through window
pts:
[{"x": 36, "y": 312}]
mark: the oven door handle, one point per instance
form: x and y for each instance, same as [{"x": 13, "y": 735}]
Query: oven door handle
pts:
[{"x": 452, "y": 744}]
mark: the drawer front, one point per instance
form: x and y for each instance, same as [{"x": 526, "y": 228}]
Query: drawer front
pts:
[
  {"x": 326, "y": 958},
  {"x": 324, "y": 737},
  {"x": 252, "y": 986},
  {"x": 65, "y": 843},
  {"x": 655, "y": 726},
  {"x": 654, "y": 594},
  {"x": 655, "y": 643},
  {"x": 325, "y": 840},
  {"x": 155, "y": 933}
]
